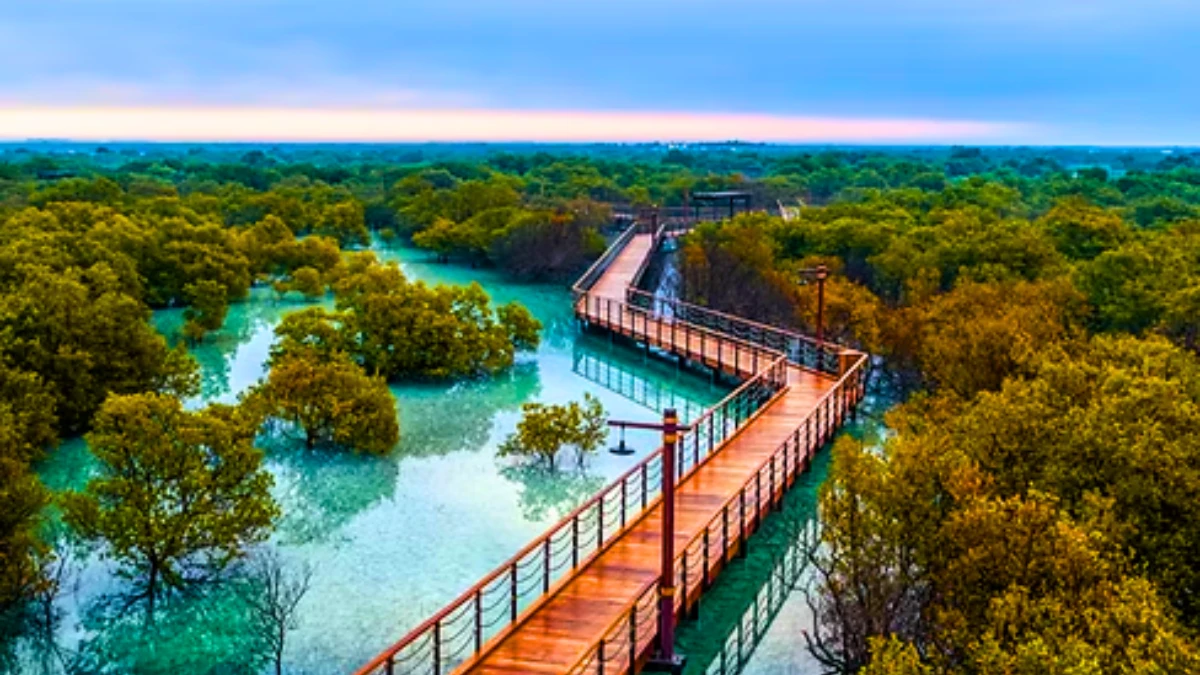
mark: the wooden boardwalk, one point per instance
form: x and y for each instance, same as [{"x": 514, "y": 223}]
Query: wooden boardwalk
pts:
[{"x": 600, "y": 615}]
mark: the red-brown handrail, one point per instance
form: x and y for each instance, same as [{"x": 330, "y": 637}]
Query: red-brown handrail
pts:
[
  {"x": 425, "y": 642},
  {"x": 815, "y": 435},
  {"x": 439, "y": 644}
]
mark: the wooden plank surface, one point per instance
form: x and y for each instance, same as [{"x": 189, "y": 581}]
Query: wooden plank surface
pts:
[
  {"x": 564, "y": 627},
  {"x": 621, "y": 271}
]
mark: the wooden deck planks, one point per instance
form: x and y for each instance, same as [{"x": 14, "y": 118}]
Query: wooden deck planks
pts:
[
  {"x": 562, "y": 630},
  {"x": 565, "y": 626},
  {"x": 622, "y": 270}
]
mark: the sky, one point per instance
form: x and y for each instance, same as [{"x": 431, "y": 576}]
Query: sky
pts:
[{"x": 1105, "y": 72}]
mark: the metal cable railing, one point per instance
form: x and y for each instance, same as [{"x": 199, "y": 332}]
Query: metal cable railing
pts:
[
  {"x": 759, "y": 354},
  {"x": 462, "y": 628},
  {"x": 711, "y": 548}
]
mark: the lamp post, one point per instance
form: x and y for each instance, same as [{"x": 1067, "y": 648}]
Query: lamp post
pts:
[
  {"x": 820, "y": 273},
  {"x": 666, "y": 660}
]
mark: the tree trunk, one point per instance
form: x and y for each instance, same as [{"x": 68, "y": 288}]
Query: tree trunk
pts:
[{"x": 152, "y": 592}]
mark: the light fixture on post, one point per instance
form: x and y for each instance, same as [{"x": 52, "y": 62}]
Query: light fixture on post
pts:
[{"x": 666, "y": 660}]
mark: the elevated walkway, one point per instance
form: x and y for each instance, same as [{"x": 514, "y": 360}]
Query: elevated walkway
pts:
[{"x": 583, "y": 598}]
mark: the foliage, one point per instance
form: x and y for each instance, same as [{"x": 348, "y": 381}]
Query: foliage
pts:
[
  {"x": 21, "y": 500},
  {"x": 209, "y": 303},
  {"x": 180, "y": 494},
  {"x": 305, "y": 280},
  {"x": 545, "y": 429},
  {"x": 331, "y": 400},
  {"x": 974, "y": 337},
  {"x": 919, "y": 548},
  {"x": 85, "y": 338},
  {"x": 977, "y": 273},
  {"x": 399, "y": 330}
]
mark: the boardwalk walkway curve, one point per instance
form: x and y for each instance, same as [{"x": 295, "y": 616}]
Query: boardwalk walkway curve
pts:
[{"x": 583, "y": 597}]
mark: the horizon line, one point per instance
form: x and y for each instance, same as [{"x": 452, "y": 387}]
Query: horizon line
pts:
[{"x": 250, "y": 124}]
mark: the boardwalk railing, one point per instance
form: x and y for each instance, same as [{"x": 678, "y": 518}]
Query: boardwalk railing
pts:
[
  {"x": 756, "y": 353},
  {"x": 800, "y": 349},
  {"x": 711, "y": 347},
  {"x": 629, "y": 638},
  {"x": 462, "y": 629}
]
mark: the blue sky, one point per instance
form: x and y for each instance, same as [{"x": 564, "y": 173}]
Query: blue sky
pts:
[{"x": 1046, "y": 71}]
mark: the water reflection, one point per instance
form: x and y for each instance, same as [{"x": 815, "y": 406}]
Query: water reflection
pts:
[
  {"x": 320, "y": 490},
  {"x": 647, "y": 381},
  {"x": 392, "y": 538},
  {"x": 550, "y": 494},
  {"x": 437, "y": 419},
  {"x": 205, "y": 631}
]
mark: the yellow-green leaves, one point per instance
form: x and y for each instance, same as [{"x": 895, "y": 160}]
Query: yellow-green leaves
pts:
[
  {"x": 179, "y": 494},
  {"x": 545, "y": 429},
  {"x": 402, "y": 330},
  {"x": 331, "y": 400}
]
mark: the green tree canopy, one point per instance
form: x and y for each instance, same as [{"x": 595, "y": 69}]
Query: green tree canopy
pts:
[
  {"x": 331, "y": 400},
  {"x": 545, "y": 429},
  {"x": 179, "y": 495},
  {"x": 398, "y": 329}
]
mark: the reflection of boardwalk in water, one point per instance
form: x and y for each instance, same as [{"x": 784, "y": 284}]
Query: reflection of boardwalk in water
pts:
[
  {"x": 745, "y": 604},
  {"x": 752, "y": 627},
  {"x": 624, "y": 379}
]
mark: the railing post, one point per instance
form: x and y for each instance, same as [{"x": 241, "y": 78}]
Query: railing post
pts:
[
  {"x": 757, "y": 500},
  {"x": 547, "y": 550},
  {"x": 437, "y": 648},
  {"x": 575, "y": 542},
  {"x": 633, "y": 641},
  {"x": 513, "y": 588},
  {"x": 771, "y": 480},
  {"x": 724, "y": 534},
  {"x": 478, "y": 620},
  {"x": 683, "y": 597},
  {"x": 705, "y": 580},
  {"x": 742, "y": 523},
  {"x": 600, "y": 522},
  {"x": 645, "y": 486},
  {"x": 796, "y": 447},
  {"x": 624, "y": 501}
]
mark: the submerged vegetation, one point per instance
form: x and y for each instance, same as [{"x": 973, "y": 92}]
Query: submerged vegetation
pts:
[
  {"x": 545, "y": 429},
  {"x": 1034, "y": 511}
]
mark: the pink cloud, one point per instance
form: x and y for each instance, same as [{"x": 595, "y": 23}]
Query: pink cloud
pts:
[{"x": 382, "y": 125}]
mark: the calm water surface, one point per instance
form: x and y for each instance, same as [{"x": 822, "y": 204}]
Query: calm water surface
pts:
[{"x": 392, "y": 539}]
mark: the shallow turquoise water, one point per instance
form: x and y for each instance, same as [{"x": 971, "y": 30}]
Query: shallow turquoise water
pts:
[{"x": 392, "y": 539}]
